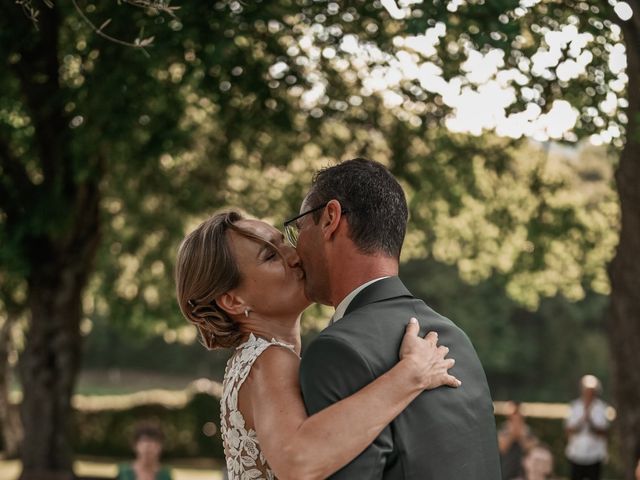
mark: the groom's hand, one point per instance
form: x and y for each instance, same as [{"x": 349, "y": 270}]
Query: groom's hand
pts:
[{"x": 426, "y": 358}]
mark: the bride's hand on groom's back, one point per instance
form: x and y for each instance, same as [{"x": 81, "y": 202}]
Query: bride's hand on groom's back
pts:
[{"x": 426, "y": 358}]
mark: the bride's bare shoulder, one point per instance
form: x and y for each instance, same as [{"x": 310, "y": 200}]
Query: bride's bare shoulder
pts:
[{"x": 277, "y": 363}]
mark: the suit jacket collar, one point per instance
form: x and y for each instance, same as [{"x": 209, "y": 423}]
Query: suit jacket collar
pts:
[{"x": 384, "y": 289}]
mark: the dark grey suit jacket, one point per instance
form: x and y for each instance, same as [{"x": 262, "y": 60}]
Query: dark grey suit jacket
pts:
[{"x": 444, "y": 434}]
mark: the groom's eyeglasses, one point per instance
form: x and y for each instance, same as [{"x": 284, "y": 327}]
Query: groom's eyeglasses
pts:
[{"x": 291, "y": 227}]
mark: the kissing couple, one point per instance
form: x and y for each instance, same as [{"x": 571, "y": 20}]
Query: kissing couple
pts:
[{"x": 373, "y": 396}]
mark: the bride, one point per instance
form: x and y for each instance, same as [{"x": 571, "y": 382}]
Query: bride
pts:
[{"x": 242, "y": 286}]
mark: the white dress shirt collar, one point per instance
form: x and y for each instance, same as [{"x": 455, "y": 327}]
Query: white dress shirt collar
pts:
[{"x": 346, "y": 301}]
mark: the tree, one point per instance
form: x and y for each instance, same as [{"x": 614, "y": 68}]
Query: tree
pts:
[
  {"x": 444, "y": 38},
  {"x": 12, "y": 309},
  {"x": 587, "y": 93},
  {"x": 96, "y": 138}
]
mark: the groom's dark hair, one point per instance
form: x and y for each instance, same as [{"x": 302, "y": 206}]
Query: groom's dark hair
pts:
[{"x": 374, "y": 200}]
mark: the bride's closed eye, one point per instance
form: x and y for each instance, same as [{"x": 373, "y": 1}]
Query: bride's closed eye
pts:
[
  {"x": 270, "y": 254},
  {"x": 270, "y": 250}
]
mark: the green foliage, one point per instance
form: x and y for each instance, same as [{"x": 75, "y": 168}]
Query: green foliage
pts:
[
  {"x": 238, "y": 104},
  {"x": 544, "y": 219},
  {"x": 109, "y": 433},
  {"x": 527, "y": 356},
  {"x": 109, "y": 346}
]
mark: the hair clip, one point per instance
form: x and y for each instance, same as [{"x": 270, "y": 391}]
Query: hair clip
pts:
[{"x": 191, "y": 303}]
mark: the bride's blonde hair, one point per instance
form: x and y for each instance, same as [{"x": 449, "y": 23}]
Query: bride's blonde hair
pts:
[{"x": 206, "y": 269}]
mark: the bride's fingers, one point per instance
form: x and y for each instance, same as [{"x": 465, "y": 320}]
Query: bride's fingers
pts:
[
  {"x": 412, "y": 327},
  {"x": 443, "y": 351},
  {"x": 451, "y": 381},
  {"x": 432, "y": 337}
]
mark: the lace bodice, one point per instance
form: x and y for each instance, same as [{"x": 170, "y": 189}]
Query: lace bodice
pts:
[{"x": 241, "y": 448}]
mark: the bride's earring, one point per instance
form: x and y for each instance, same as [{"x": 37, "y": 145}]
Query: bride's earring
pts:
[{"x": 246, "y": 312}]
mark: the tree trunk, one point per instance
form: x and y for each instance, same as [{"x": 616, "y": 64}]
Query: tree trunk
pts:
[
  {"x": 624, "y": 270},
  {"x": 51, "y": 359},
  {"x": 48, "y": 367},
  {"x": 11, "y": 427},
  {"x": 59, "y": 248}
]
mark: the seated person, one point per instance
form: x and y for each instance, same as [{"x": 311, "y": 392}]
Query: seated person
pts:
[
  {"x": 538, "y": 463},
  {"x": 147, "y": 445}
]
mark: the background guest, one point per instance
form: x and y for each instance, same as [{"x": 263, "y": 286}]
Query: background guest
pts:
[
  {"x": 537, "y": 463},
  {"x": 147, "y": 445},
  {"x": 514, "y": 439},
  {"x": 587, "y": 427}
]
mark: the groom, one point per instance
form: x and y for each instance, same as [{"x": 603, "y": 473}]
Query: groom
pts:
[{"x": 349, "y": 235}]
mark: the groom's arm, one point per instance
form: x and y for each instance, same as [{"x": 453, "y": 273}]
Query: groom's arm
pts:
[{"x": 330, "y": 371}]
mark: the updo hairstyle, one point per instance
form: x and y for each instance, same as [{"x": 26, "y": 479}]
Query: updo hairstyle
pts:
[{"x": 206, "y": 269}]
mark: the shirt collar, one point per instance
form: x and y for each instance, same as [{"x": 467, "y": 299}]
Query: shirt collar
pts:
[{"x": 344, "y": 304}]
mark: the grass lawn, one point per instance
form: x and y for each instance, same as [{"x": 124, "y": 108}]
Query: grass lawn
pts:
[{"x": 186, "y": 470}]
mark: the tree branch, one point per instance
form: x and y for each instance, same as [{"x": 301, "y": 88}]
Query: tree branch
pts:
[
  {"x": 158, "y": 5},
  {"x": 138, "y": 43},
  {"x": 30, "y": 11}
]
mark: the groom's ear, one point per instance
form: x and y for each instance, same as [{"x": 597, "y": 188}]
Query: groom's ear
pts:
[
  {"x": 231, "y": 303},
  {"x": 330, "y": 220}
]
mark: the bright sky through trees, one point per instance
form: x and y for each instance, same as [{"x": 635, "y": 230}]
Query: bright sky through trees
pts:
[{"x": 480, "y": 100}]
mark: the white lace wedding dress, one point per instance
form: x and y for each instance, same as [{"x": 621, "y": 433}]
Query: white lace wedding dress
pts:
[{"x": 241, "y": 448}]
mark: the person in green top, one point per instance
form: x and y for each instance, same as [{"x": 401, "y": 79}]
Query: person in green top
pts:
[{"x": 147, "y": 445}]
